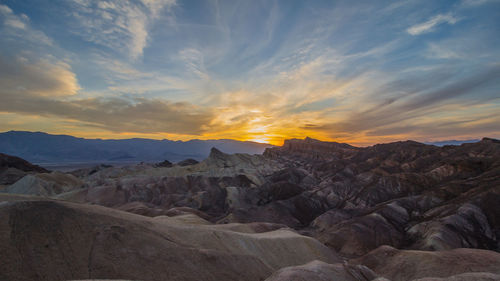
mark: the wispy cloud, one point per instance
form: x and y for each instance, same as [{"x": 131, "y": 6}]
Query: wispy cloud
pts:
[
  {"x": 123, "y": 77},
  {"x": 18, "y": 26},
  {"x": 194, "y": 62},
  {"x": 429, "y": 25},
  {"x": 115, "y": 23},
  {"x": 415, "y": 108},
  {"x": 10, "y": 19},
  {"x": 440, "y": 52},
  {"x": 478, "y": 2}
]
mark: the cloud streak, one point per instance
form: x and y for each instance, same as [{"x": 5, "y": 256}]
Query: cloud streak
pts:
[
  {"x": 112, "y": 23},
  {"x": 116, "y": 114},
  {"x": 429, "y": 25},
  {"x": 417, "y": 106},
  {"x": 18, "y": 26}
]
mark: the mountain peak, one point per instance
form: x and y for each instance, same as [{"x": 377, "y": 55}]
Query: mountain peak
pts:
[
  {"x": 490, "y": 140},
  {"x": 215, "y": 153}
]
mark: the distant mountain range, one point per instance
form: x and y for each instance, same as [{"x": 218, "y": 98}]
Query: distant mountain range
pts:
[
  {"x": 451, "y": 142},
  {"x": 39, "y": 147},
  {"x": 42, "y": 148}
]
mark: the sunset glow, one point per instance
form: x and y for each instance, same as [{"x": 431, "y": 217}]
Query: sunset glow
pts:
[{"x": 260, "y": 71}]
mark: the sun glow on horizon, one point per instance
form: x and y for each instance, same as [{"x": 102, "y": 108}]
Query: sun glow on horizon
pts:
[{"x": 260, "y": 140}]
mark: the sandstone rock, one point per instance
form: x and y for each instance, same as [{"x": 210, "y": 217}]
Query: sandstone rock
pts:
[
  {"x": 45, "y": 184},
  {"x": 458, "y": 230},
  {"x": 142, "y": 208},
  {"x": 81, "y": 173},
  {"x": 187, "y": 162},
  {"x": 165, "y": 164},
  {"x": 10, "y": 175},
  {"x": 320, "y": 271},
  {"x": 476, "y": 276},
  {"x": 106, "y": 196},
  {"x": 49, "y": 240},
  {"x": 408, "y": 265}
]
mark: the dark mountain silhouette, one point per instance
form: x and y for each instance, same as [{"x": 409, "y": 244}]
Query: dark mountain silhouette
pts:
[
  {"x": 452, "y": 142},
  {"x": 38, "y": 147},
  {"x": 13, "y": 168}
]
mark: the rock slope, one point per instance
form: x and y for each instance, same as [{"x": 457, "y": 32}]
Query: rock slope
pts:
[
  {"x": 404, "y": 194},
  {"x": 13, "y": 168},
  {"x": 55, "y": 240}
]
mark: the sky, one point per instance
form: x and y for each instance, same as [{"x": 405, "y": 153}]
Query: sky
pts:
[{"x": 361, "y": 72}]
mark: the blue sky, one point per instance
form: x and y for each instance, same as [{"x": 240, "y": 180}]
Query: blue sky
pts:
[{"x": 357, "y": 71}]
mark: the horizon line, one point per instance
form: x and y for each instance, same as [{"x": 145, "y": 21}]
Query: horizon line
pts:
[{"x": 248, "y": 141}]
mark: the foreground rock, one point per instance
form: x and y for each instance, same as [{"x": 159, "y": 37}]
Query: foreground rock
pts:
[
  {"x": 50, "y": 240},
  {"x": 320, "y": 271},
  {"x": 387, "y": 263},
  {"x": 409, "y": 265},
  {"x": 476, "y": 276}
]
